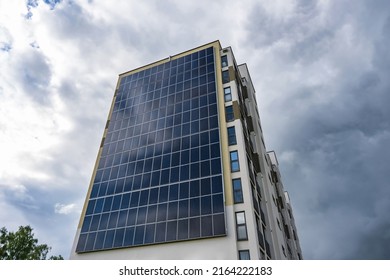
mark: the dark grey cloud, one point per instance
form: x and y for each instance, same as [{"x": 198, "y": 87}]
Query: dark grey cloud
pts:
[
  {"x": 338, "y": 185},
  {"x": 267, "y": 28},
  {"x": 332, "y": 147},
  {"x": 34, "y": 73},
  {"x": 371, "y": 245},
  {"x": 311, "y": 47}
]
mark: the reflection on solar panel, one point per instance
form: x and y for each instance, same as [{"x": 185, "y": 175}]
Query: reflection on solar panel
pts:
[{"x": 159, "y": 176}]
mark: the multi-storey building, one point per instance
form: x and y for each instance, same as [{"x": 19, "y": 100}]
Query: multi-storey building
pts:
[{"x": 182, "y": 171}]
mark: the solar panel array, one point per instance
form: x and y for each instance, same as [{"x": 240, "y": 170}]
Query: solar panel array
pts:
[{"x": 159, "y": 177}]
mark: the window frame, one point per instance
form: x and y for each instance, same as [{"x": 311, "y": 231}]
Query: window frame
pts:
[
  {"x": 241, "y": 226},
  {"x": 227, "y": 91},
  {"x": 237, "y": 191},
  {"x": 229, "y": 113},
  {"x": 241, "y": 257},
  {"x": 232, "y": 139},
  {"x": 225, "y": 77},
  {"x": 234, "y": 162},
  {"x": 224, "y": 59}
]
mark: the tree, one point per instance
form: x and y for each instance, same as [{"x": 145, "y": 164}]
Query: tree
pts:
[{"x": 21, "y": 245}]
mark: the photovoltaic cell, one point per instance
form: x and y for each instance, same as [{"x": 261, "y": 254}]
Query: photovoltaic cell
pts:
[{"x": 159, "y": 177}]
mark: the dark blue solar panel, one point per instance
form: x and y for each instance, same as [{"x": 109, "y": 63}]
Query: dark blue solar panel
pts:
[{"x": 159, "y": 177}]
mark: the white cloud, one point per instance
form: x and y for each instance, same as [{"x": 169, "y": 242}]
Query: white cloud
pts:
[{"x": 65, "y": 209}]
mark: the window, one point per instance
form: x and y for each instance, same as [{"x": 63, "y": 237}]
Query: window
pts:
[
  {"x": 237, "y": 191},
  {"x": 232, "y": 136},
  {"x": 224, "y": 61},
  {"x": 234, "y": 163},
  {"x": 241, "y": 226},
  {"x": 229, "y": 113},
  {"x": 228, "y": 94},
  {"x": 225, "y": 77},
  {"x": 244, "y": 255}
]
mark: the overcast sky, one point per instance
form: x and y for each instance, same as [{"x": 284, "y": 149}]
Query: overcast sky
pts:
[{"x": 321, "y": 70}]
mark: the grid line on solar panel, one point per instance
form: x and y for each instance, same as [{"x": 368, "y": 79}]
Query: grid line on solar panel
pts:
[
  {"x": 159, "y": 175},
  {"x": 197, "y": 188}
]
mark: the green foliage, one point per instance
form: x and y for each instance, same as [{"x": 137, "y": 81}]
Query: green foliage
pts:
[{"x": 21, "y": 245}]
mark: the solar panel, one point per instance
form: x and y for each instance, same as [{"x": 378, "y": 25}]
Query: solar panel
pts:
[{"x": 159, "y": 176}]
